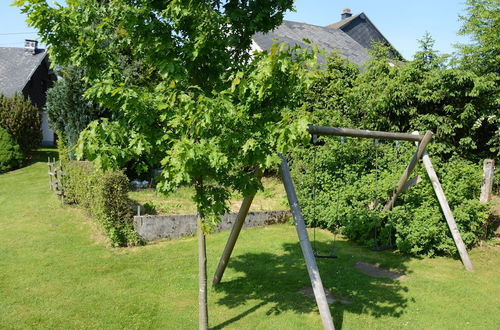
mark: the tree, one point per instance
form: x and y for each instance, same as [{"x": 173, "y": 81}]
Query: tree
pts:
[
  {"x": 428, "y": 93},
  {"x": 209, "y": 115},
  {"x": 482, "y": 24},
  {"x": 69, "y": 111},
  {"x": 482, "y": 56}
]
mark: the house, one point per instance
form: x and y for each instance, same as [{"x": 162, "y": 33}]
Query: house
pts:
[
  {"x": 27, "y": 71},
  {"x": 351, "y": 37}
]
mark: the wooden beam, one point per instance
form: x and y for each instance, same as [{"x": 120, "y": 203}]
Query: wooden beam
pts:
[
  {"x": 336, "y": 131},
  {"x": 412, "y": 182},
  {"x": 233, "y": 237},
  {"x": 487, "y": 185},
  {"x": 305, "y": 244},
  {"x": 411, "y": 166},
  {"x": 447, "y": 212}
]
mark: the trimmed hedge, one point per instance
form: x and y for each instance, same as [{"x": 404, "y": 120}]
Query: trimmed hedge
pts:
[
  {"x": 11, "y": 156},
  {"x": 105, "y": 196}
]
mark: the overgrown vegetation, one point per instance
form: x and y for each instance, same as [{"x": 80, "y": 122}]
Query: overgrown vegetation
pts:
[
  {"x": 455, "y": 97},
  {"x": 11, "y": 156},
  {"x": 354, "y": 180},
  {"x": 104, "y": 194},
  {"x": 22, "y": 120}
]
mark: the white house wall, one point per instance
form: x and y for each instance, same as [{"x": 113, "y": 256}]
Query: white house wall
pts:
[{"x": 47, "y": 133}]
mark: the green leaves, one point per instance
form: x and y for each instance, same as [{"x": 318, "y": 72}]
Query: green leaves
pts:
[{"x": 354, "y": 180}]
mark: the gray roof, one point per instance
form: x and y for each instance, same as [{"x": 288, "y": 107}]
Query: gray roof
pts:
[
  {"x": 360, "y": 28},
  {"x": 343, "y": 22},
  {"x": 324, "y": 37},
  {"x": 16, "y": 68}
]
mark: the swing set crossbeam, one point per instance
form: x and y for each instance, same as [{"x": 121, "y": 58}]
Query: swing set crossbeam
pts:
[{"x": 337, "y": 131}]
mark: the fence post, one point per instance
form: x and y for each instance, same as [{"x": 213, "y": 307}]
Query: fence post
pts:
[
  {"x": 487, "y": 185},
  {"x": 49, "y": 164}
]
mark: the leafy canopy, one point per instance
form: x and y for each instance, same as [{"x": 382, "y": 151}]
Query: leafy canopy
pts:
[{"x": 200, "y": 106}]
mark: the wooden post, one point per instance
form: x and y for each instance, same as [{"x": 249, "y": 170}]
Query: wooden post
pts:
[
  {"x": 411, "y": 166},
  {"x": 233, "y": 237},
  {"x": 487, "y": 185},
  {"x": 305, "y": 244},
  {"x": 447, "y": 212},
  {"x": 50, "y": 172},
  {"x": 202, "y": 266},
  {"x": 202, "y": 277}
]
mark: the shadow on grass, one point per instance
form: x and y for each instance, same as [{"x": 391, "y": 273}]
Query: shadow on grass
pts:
[{"x": 276, "y": 280}]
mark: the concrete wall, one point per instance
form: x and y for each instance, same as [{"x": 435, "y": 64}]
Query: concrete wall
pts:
[{"x": 153, "y": 227}]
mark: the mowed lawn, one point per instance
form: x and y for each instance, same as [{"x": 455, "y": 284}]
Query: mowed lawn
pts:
[{"x": 57, "y": 273}]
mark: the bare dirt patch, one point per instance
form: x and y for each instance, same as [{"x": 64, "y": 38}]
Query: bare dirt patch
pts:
[{"x": 376, "y": 271}]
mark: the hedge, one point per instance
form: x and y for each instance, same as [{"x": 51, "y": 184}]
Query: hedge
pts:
[
  {"x": 105, "y": 196},
  {"x": 11, "y": 156},
  {"x": 22, "y": 120}
]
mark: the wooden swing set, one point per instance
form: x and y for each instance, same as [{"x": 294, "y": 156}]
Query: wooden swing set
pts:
[{"x": 421, "y": 142}]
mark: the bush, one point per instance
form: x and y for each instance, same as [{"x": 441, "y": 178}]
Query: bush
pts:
[
  {"x": 105, "y": 196},
  {"x": 69, "y": 112},
  {"x": 355, "y": 179},
  {"x": 22, "y": 120},
  {"x": 11, "y": 156}
]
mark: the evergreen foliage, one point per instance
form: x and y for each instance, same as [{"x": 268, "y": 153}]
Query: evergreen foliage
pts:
[
  {"x": 11, "y": 156},
  {"x": 481, "y": 24},
  {"x": 69, "y": 111},
  {"x": 22, "y": 120}
]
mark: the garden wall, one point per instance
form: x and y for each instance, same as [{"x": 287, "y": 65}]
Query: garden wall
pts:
[{"x": 153, "y": 227}]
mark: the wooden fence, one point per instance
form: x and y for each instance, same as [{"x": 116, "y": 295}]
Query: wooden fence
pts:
[{"x": 56, "y": 178}]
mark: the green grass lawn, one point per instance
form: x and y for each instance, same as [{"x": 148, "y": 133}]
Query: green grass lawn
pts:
[
  {"x": 180, "y": 202},
  {"x": 57, "y": 273}
]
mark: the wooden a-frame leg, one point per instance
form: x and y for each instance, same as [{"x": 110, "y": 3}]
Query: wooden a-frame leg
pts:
[
  {"x": 411, "y": 166},
  {"x": 447, "y": 212},
  {"x": 305, "y": 244},
  {"x": 233, "y": 237}
]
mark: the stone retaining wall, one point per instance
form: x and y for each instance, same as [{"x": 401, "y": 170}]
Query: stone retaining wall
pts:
[{"x": 153, "y": 227}]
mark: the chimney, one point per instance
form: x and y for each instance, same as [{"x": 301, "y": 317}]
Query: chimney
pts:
[
  {"x": 346, "y": 13},
  {"x": 30, "y": 46}
]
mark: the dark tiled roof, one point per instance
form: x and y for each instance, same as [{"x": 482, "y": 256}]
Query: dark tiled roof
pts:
[
  {"x": 343, "y": 22},
  {"x": 325, "y": 38},
  {"x": 16, "y": 68},
  {"x": 360, "y": 28}
]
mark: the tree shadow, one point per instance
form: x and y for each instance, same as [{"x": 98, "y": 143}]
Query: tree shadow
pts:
[{"x": 276, "y": 280}]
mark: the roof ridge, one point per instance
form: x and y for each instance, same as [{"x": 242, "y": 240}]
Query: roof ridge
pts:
[{"x": 341, "y": 23}]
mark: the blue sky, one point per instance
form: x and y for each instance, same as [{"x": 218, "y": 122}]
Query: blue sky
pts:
[{"x": 401, "y": 22}]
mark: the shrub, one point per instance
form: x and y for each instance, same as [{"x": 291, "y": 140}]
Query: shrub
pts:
[
  {"x": 69, "y": 112},
  {"x": 355, "y": 179},
  {"x": 105, "y": 196},
  {"x": 11, "y": 156},
  {"x": 22, "y": 120}
]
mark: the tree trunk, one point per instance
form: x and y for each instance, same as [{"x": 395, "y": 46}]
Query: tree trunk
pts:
[{"x": 202, "y": 266}]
